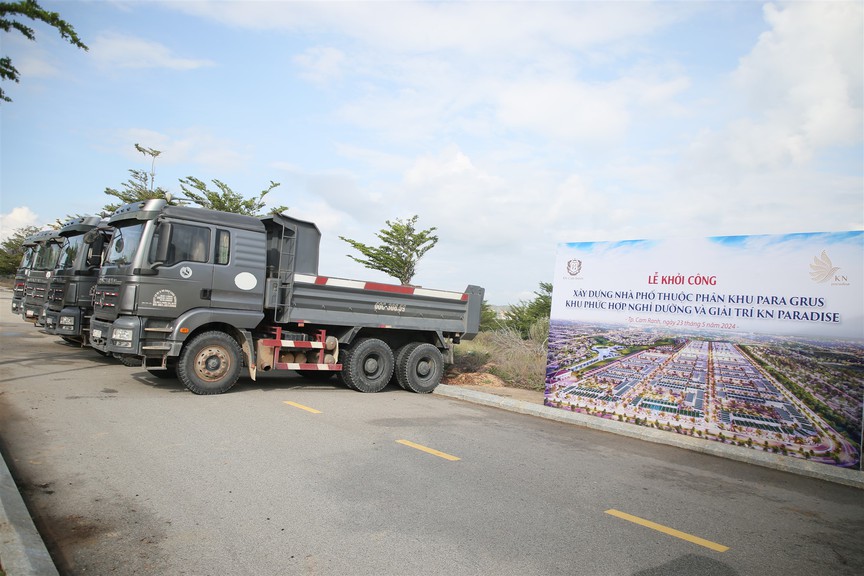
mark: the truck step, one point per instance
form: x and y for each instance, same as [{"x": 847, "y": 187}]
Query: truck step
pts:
[{"x": 162, "y": 347}]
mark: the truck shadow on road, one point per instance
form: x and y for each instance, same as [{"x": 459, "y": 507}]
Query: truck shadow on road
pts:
[
  {"x": 688, "y": 565},
  {"x": 264, "y": 383}
]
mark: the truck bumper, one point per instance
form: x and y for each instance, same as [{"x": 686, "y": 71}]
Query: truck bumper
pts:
[
  {"x": 119, "y": 337},
  {"x": 52, "y": 317},
  {"x": 67, "y": 322},
  {"x": 31, "y": 313}
]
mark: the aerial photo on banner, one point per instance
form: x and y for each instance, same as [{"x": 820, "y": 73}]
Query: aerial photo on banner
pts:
[{"x": 756, "y": 341}]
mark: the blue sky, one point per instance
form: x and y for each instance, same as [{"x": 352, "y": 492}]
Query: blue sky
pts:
[{"x": 510, "y": 126}]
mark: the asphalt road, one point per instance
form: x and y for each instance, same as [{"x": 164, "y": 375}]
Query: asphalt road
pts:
[{"x": 128, "y": 474}]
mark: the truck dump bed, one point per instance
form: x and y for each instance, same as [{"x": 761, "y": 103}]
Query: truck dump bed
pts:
[
  {"x": 296, "y": 293},
  {"x": 324, "y": 300}
]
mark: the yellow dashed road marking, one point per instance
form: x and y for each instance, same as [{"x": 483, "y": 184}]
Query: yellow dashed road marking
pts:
[
  {"x": 428, "y": 450},
  {"x": 670, "y": 531},
  {"x": 302, "y": 407}
]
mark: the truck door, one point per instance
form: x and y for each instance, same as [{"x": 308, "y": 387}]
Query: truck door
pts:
[
  {"x": 238, "y": 270},
  {"x": 185, "y": 272}
]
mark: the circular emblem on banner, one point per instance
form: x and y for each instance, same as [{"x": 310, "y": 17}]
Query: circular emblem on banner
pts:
[
  {"x": 186, "y": 272},
  {"x": 574, "y": 266},
  {"x": 245, "y": 281}
]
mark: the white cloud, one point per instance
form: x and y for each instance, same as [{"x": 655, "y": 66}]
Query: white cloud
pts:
[
  {"x": 19, "y": 217},
  {"x": 565, "y": 110},
  {"x": 422, "y": 72},
  {"x": 321, "y": 64},
  {"x": 192, "y": 148},
  {"x": 803, "y": 80},
  {"x": 114, "y": 50},
  {"x": 470, "y": 27}
]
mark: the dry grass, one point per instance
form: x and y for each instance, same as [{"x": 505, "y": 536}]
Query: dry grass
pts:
[{"x": 503, "y": 353}]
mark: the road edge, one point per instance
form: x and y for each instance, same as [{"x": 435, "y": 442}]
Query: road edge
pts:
[
  {"x": 22, "y": 550},
  {"x": 825, "y": 472}
]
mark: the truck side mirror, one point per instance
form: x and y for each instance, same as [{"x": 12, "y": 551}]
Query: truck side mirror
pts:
[
  {"x": 162, "y": 239},
  {"x": 91, "y": 236}
]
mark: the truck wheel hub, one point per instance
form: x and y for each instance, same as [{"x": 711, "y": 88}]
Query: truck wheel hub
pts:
[
  {"x": 424, "y": 368},
  {"x": 371, "y": 365},
  {"x": 212, "y": 363}
]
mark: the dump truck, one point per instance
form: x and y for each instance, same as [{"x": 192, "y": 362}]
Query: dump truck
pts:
[
  {"x": 28, "y": 247},
  {"x": 36, "y": 285},
  {"x": 69, "y": 301},
  {"x": 200, "y": 294}
]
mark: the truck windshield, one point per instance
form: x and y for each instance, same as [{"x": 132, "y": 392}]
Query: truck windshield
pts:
[
  {"x": 27, "y": 258},
  {"x": 46, "y": 256},
  {"x": 124, "y": 242},
  {"x": 69, "y": 250}
]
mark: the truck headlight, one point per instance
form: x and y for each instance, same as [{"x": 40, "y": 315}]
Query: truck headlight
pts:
[
  {"x": 122, "y": 334},
  {"x": 67, "y": 320}
]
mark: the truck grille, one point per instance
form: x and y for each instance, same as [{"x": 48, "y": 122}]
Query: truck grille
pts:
[
  {"x": 105, "y": 299},
  {"x": 56, "y": 294}
]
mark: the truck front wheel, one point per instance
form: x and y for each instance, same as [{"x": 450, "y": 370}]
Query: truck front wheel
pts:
[
  {"x": 210, "y": 363},
  {"x": 367, "y": 365},
  {"x": 420, "y": 367}
]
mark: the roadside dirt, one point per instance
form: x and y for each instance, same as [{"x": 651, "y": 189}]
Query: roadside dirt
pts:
[{"x": 491, "y": 384}]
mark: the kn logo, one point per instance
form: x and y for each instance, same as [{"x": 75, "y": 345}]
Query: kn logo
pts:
[
  {"x": 574, "y": 267},
  {"x": 822, "y": 271}
]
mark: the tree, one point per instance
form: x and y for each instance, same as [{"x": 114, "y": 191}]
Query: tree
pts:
[
  {"x": 140, "y": 186},
  {"x": 225, "y": 199},
  {"x": 11, "y": 249},
  {"x": 522, "y": 316},
  {"x": 29, "y": 9},
  {"x": 488, "y": 317},
  {"x": 403, "y": 246}
]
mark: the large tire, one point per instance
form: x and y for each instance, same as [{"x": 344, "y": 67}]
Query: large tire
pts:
[
  {"x": 367, "y": 365},
  {"x": 210, "y": 363},
  {"x": 340, "y": 376},
  {"x": 400, "y": 358},
  {"x": 420, "y": 367}
]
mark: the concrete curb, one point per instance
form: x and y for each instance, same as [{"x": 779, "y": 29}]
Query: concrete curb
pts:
[
  {"x": 22, "y": 551},
  {"x": 852, "y": 478}
]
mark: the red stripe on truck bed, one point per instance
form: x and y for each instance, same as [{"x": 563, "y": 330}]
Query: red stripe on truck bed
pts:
[{"x": 389, "y": 288}]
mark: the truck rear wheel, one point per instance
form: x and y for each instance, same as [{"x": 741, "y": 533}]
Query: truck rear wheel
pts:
[
  {"x": 420, "y": 367},
  {"x": 210, "y": 363},
  {"x": 367, "y": 365},
  {"x": 400, "y": 358}
]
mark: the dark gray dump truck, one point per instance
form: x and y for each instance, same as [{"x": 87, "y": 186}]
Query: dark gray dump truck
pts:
[
  {"x": 200, "y": 294},
  {"x": 29, "y": 247},
  {"x": 69, "y": 302},
  {"x": 36, "y": 285}
]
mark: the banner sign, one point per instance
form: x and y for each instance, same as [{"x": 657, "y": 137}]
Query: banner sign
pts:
[{"x": 756, "y": 341}]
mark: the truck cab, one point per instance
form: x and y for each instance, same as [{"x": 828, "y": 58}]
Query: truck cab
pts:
[
  {"x": 29, "y": 247},
  {"x": 36, "y": 286},
  {"x": 69, "y": 303},
  {"x": 167, "y": 271}
]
